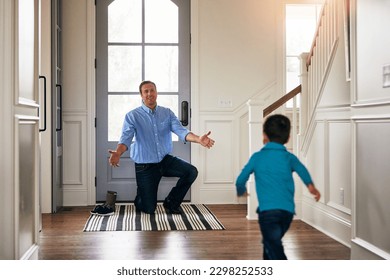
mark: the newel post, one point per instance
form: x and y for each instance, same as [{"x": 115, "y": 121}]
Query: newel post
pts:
[
  {"x": 255, "y": 122},
  {"x": 304, "y": 110}
]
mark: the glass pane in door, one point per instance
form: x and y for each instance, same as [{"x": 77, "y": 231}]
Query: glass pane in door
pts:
[
  {"x": 125, "y": 21},
  {"x": 161, "y": 21},
  {"x": 124, "y": 68},
  {"x": 162, "y": 67},
  {"x": 120, "y": 105}
]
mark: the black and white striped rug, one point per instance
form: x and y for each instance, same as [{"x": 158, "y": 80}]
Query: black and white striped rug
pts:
[{"x": 126, "y": 218}]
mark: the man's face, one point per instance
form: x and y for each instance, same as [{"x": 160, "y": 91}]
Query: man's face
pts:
[{"x": 149, "y": 95}]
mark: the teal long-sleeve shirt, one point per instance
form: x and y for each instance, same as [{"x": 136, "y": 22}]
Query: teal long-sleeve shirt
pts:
[{"x": 273, "y": 168}]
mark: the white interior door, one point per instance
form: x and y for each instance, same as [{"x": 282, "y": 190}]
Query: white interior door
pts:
[{"x": 27, "y": 126}]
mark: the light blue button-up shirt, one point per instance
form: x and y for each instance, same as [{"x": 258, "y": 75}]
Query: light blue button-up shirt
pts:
[{"x": 152, "y": 130}]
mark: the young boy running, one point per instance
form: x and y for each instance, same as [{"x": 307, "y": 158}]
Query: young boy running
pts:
[{"x": 273, "y": 168}]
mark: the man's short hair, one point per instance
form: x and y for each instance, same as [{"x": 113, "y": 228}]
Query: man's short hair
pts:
[
  {"x": 144, "y": 83},
  {"x": 277, "y": 128}
]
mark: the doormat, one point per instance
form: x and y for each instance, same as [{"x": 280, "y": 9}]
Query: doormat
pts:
[{"x": 126, "y": 218}]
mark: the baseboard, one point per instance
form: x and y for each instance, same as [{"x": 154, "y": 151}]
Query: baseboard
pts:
[
  {"x": 75, "y": 197},
  {"x": 31, "y": 254},
  {"x": 362, "y": 250},
  {"x": 334, "y": 226}
]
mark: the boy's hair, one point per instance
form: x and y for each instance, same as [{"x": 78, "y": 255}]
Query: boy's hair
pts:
[{"x": 277, "y": 128}]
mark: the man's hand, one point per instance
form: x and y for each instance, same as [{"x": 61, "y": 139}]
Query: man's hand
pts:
[
  {"x": 115, "y": 155},
  {"x": 205, "y": 141},
  {"x": 114, "y": 158}
]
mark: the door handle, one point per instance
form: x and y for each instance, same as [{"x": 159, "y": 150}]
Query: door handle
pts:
[
  {"x": 44, "y": 104},
  {"x": 184, "y": 113},
  {"x": 60, "y": 98}
]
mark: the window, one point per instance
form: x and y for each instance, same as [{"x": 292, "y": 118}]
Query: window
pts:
[
  {"x": 301, "y": 23},
  {"x": 143, "y": 44}
]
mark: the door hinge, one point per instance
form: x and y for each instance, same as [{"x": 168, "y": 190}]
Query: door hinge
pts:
[
  {"x": 95, "y": 63},
  {"x": 95, "y": 181},
  {"x": 95, "y": 122}
]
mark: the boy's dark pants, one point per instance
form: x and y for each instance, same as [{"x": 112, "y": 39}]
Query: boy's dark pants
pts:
[{"x": 273, "y": 225}]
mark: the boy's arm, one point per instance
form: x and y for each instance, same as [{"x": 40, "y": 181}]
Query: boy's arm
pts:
[
  {"x": 305, "y": 177},
  {"x": 241, "y": 184},
  {"x": 242, "y": 179},
  {"x": 312, "y": 189}
]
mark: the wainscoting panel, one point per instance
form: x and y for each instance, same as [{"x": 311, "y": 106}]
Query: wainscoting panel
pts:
[
  {"x": 316, "y": 158},
  {"x": 219, "y": 159},
  {"x": 26, "y": 209},
  {"x": 328, "y": 159},
  {"x": 339, "y": 167},
  {"x": 73, "y": 156},
  {"x": 372, "y": 179},
  {"x": 75, "y": 159}
]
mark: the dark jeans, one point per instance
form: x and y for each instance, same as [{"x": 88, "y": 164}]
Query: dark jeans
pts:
[
  {"x": 148, "y": 177},
  {"x": 273, "y": 225}
]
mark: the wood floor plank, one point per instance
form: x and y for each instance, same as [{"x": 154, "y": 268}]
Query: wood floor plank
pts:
[{"x": 62, "y": 238}]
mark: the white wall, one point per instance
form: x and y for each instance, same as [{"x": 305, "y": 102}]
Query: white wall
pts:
[
  {"x": 235, "y": 50},
  {"x": 78, "y": 102},
  {"x": 371, "y": 118}
]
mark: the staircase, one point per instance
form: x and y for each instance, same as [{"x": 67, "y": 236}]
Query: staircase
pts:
[{"x": 317, "y": 63}]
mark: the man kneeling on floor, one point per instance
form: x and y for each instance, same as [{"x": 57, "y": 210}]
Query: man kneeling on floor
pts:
[{"x": 152, "y": 126}]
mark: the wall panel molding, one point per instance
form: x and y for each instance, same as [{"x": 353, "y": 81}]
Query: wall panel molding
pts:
[
  {"x": 338, "y": 173},
  {"x": 26, "y": 188},
  {"x": 371, "y": 175},
  {"x": 331, "y": 224},
  {"x": 74, "y": 152},
  {"x": 218, "y": 161}
]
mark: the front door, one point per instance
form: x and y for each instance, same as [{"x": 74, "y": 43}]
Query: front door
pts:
[{"x": 138, "y": 40}]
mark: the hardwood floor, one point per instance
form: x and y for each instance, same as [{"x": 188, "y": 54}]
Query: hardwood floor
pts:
[{"x": 62, "y": 238}]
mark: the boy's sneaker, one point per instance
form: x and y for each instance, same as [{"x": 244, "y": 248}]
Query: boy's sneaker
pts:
[{"x": 103, "y": 210}]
